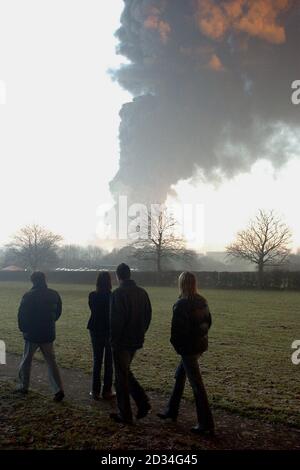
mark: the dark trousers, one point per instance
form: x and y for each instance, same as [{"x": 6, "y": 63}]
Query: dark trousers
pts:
[
  {"x": 126, "y": 384},
  {"x": 189, "y": 367},
  {"x": 101, "y": 348}
]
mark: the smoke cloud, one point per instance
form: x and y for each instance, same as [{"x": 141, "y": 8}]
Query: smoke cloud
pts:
[{"x": 211, "y": 85}]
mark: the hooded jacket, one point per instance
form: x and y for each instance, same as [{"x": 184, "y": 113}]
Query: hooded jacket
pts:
[
  {"x": 39, "y": 310},
  {"x": 190, "y": 324}
]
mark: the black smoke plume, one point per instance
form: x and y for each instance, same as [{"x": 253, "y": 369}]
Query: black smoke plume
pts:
[{"x": 211, "y": 85}]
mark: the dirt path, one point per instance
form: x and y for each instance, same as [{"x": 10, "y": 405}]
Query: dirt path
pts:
[{"x": 233, "y": 431}]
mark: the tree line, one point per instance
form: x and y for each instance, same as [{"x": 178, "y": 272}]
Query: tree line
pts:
[
  {"x": 265, "y": 244},
  {"x": 35, "y": 248}
]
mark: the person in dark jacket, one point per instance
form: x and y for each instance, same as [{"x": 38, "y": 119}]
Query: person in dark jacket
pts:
[
  {"x": 98, "y": 325},
  {"x": 130, "y": 317},
  {"x": 189, "y": 337},
  {"x": 39, "y": 310}
]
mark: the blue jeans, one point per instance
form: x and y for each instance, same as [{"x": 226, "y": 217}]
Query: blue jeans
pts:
[
  {"x": 189, "y": 367},
  {"x": 101, "y": 349},
  {"x": 47, "y": 350}
]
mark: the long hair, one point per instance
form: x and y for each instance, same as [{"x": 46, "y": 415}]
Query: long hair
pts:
[
  {"x": 103, "y": 283},
  {"x": 187, "y": 284}
]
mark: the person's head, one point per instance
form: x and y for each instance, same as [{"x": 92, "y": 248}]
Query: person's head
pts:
[
  {"x": 187, "y": 284},
  {"x": 123, "y": 272},
  {"x": 103, "y": 283},
  {"x": 38, "y": 279}
]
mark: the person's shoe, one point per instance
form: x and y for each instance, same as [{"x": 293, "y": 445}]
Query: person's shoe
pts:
[
  {"x": 21, "y": 391},
  {"x": 118, "y": 419},
  {"x": 59, "y": 396},
  {"x": 143, "y": 411},
  {"x": 165, "y": 416},
  {"x": 108, "y": 395},
  {"x": 95, "y": 396},
  {"x": 208, "y": 433}
]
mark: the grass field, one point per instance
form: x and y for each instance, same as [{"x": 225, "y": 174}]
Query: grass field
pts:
[{"x": 247, "y": 369}]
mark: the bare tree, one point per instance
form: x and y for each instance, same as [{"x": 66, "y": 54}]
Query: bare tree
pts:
[
  {"x": 266, "y": 242},
  {"x": 161, "y": 242},
  {"x": 35, "y": 247}
]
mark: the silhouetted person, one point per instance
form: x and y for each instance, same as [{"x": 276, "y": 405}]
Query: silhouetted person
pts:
[
  {"x": 189, "y": 336},
  {"x": 99, "y": 303},
  {"x": 39, "y": 310},
  {"x": 130, "y": 317}
]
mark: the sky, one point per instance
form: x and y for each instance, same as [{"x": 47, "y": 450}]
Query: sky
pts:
[{"x": 59, "y": 144}]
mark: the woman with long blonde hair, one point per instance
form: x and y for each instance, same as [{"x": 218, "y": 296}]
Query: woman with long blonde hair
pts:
[{"x": 189, "y": 337}]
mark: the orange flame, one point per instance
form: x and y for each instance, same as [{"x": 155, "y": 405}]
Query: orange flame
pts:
[
  {"x": 154, "y": 22},
  {"x": 215, "y": 63},
  {"x": 258, "y": 18}
]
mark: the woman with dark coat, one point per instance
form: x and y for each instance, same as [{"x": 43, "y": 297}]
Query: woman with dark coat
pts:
[
  {"x": 99, "y": 303},
  {"x": 189, "y": 337}
]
